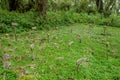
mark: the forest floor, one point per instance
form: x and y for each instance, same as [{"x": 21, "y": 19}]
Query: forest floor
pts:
[{"x": 53, "y": 54}]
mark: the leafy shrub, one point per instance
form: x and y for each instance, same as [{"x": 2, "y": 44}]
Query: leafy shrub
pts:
[
  {"x": 82, "y": 6},
  {"x": 24, "y": 21},
  {"x": 114, "y": 21},
  {"x": 30, "y": 19},
  {"x": 10, "y": 75}
]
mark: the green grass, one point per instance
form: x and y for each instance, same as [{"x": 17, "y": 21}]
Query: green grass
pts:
[{"x": 55, "y": 59}]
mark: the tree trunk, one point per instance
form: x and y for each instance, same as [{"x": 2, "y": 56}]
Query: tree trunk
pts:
[
  {"x": 41, "y": 6},
  {"x": 110, "y": 5},
  {"x": 31, "y": 3},
  {"x": 99, "y": 4},
  {"x": 12, "y": 5},
  {"x": 75, "y": 2}
]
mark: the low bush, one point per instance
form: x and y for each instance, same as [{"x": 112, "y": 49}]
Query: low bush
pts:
[
  {"x": 114, "y": 21},
  {"x": 30, "y": 19}
]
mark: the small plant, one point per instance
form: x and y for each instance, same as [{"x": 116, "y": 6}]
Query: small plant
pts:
[
  {"x": 22, "y": 72},
  {"x": 4, "y": 76},
  {"x": 48, "y": 36},
  {"x": 8, "y": 74},
  {"x": 104, "y": 30},
  {"x": 71, "y": 31},
  {"x": 107, "y": 49},
  {"x": 90, "y": 28},
  {"x": 90, "y": 25},
  {"x": 79, "y": 37},
  {"x": 0, "y": 44},
  {"x": 14, "y": 26},
  {"x": 6, "y": 61},
  {"x": 32, "y": 50},
  {"x": 80, "y": 61}
]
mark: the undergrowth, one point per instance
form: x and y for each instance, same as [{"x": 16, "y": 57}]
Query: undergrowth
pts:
[
  {"x": 57, "y": 50},
  {"x": 28, "y": 20}
]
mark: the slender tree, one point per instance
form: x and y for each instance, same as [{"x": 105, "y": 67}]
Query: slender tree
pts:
[
  {"x": 99, "y": 4},
  {"x": 41, "y": 6},
  {"x": 16, "y": 5},
  {"x": 110, "y": 5}
]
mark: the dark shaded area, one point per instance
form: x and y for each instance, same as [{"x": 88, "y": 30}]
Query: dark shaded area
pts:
[
  {"x": 12, "y": 5},
  {"x": 99, "y": 4},
  {"x": 41, "y": 6},
  {"x": 17, "y": 5}
]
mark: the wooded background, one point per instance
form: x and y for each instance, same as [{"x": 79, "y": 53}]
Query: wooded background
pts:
[
  {"x": 51, "y": 13},
  {"x": 105, "y": 7}
]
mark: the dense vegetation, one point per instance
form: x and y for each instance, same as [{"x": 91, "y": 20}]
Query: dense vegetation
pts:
[
  {"x": 57, "y": 13},
  {"x": 59, "y": 40},
  {"x": 28, "y": 20},
  {"x": 57, "y": 50}
]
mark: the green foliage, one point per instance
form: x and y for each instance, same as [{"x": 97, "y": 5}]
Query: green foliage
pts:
[
  {"x": 52, "y": 5},
  {"x": 114, "y": 20},
  {"x": 82, "y": 6},
  {"x": 24, "y": 21},
  {"x": 65, "y": 6},
  {"x": 8, "y": 74},
  {"x": 4, "y": 4},
  {"x": 55, "y": 59},
  {"x": 1, "y": 55},
  {"x": 28, "y": 20},
  {"x": 59, "y": 5}
]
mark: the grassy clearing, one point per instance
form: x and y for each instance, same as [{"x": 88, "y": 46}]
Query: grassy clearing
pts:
[{"x": 57, "y": 50}]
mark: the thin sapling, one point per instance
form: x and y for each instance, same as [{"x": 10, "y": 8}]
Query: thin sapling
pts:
[{"x": 14, "y": 26}]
